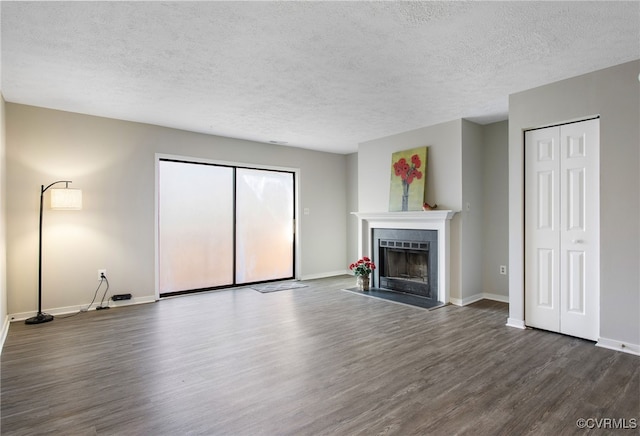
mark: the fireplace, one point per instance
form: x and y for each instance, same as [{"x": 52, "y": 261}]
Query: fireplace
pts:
[
  {"x": 436, "y": 220},
  {"x": 407, "y": 261}
]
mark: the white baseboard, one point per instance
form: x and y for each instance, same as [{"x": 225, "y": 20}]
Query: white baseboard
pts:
[
  {"x": 4, "y": 332},
  {"x": 625, "y": 347},
  {"x": 137, "y": 300},
  {"x": 325, "y": 275},
  {"x": 465, "y": 301},
  {"x": 73, "y": 309},
  {"x": 516, "y": 323},
  {"x": 477, "y": 297},
  {"x": 496, "y": 297}
]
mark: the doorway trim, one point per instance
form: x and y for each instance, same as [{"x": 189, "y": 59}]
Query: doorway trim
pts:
[{"x": 516, "y": 217}]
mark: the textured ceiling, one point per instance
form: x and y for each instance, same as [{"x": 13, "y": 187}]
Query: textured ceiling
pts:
[{"x": 318, "y": 75}]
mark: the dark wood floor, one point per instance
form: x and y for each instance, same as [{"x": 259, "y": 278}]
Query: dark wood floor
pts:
[{"x": 309, "y": 361}]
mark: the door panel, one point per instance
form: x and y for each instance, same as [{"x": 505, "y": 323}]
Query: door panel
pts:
[
  {"x": 575, "y": 199},
  {"x": 545, "y": 279},
  {"x": 546, "y": 196},
  {"x": 575, "y": 284}
]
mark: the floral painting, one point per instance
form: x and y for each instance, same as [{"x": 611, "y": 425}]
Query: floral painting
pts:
[{"x": 408, "y": 175}]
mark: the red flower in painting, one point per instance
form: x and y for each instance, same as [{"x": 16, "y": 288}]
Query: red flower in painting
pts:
[
  {"x": 408, "y": 172},
  {"x": 415, "y": 160}
]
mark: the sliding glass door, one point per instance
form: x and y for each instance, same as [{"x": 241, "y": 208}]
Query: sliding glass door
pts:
[
  {"x": 264, "y": 225},
  {"x": 195, "y": 226},
  {"x": 223, "y": 226}
]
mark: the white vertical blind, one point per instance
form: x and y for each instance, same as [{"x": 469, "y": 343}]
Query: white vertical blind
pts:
[
  {"x": 264, "y": 225},
  {"x": 195, "y": 226}
]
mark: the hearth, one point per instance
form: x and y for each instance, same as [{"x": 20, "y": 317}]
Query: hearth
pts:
[{"x": 407, "y": 261}]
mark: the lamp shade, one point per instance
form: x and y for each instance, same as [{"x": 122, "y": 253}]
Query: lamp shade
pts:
[{"x": 66, "y": 199}]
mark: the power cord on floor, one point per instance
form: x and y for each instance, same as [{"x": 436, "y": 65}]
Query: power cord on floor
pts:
[
  {"x": 101, "y": 307},
  {"x": 103, "y": 279},
  {"x": 95, "y": 294}
]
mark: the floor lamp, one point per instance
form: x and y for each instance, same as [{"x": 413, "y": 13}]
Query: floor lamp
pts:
[{"x": 61, "y": 199}]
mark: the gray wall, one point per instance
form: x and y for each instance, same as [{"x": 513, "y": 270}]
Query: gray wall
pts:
[
  {"x": 4, "y": 321},
  {"x": 444, "y": 166},
  {"x": 496, "y": 208},
  {"x": 352, "y": 206},
  {"x": 113, "y": 162},
  {"x": 614, "y": 94},
  {"x": 472, "y": 217}
]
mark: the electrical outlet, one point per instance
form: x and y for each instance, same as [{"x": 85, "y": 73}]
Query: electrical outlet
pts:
[
  {"x": 101, "y": 272},
  {"x": 503, "y": 270}
]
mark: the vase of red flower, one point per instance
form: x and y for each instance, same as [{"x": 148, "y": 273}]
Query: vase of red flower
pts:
[
  {"x": 363, "y": 283},
  {"x": 362, "y": 269}
]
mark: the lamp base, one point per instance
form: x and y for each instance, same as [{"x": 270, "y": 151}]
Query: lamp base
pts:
[{"x": 39, "y": 318}]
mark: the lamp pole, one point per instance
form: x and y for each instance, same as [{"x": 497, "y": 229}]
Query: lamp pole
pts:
[{"x": 42, "y": 317}]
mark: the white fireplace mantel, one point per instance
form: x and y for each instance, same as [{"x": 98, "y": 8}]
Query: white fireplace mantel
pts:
[{"x": 428, "y": 220}]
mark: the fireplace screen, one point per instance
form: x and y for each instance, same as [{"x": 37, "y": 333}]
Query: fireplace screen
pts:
[
  {"x": 407, "y": 265},
  {"x": 406, "y": 268},
  {"x": 407, "y": 261}
]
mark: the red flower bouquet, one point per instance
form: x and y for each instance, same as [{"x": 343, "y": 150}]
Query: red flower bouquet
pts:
[{"x": 362, "y": 267}]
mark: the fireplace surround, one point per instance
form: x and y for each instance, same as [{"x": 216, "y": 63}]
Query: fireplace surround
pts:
[{"x": 438, "y": 220}]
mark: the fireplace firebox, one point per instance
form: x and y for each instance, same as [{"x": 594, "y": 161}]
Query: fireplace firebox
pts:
[{"x": 407, "y": 261}]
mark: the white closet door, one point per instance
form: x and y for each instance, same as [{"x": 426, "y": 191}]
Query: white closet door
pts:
[
  {"x": 562, "y": 229},
  {"x": 580, "y": 224},
  {"x": 542, "y": 228}
]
